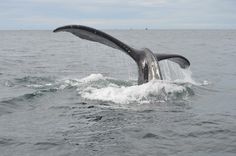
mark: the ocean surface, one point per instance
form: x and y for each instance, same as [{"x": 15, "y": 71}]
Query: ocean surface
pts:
[{"x": 64, "y": 96}]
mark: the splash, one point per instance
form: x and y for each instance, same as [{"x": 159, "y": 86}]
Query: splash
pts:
[
  {"x": 172, "y": 72},
  {"x": 177, "y": 85},
  {"x": 155, "y": 90},
  {"x": 98, "y": 87}
]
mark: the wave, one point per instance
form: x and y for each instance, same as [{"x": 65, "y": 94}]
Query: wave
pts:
[
  {"x": 177, "y": 85},
  {"x": 33, "y": 80},
  {"x": 99, "y": 87}
]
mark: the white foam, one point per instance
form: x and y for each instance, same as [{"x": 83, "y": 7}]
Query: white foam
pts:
[
  {"x": 92, "y": 77},
  {"x": 176, "y": 84},
  {"x": 130, "y": 94},
  {"x": 205, "y": 82}
]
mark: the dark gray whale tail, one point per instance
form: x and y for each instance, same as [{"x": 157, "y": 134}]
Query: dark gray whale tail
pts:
[{"x": 148, "y": 66}]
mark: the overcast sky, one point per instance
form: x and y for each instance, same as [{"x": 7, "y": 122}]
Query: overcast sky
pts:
[{"x": 118, "y": 14}]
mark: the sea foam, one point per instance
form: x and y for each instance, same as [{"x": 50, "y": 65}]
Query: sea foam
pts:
[{"x": 176, "y": 85}]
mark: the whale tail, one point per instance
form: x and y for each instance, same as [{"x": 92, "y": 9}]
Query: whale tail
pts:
[
  {"x": 180, "y": 60},
  {"x": 95, "y": 35}
]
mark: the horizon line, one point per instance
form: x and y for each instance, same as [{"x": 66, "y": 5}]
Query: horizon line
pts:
[{"x": 128, "y": 29}]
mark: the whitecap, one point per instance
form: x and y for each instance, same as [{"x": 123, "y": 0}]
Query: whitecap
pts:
[{"x": 156, "y": 89}]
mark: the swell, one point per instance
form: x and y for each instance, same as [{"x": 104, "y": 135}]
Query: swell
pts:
[
  {"x": 22, "y": 102},
  {"x": 23, "y": 92},
  {"x": 97, "y": 87}
]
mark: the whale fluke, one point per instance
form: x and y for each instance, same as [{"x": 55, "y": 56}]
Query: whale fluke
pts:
[
  {"x": 146, "y": 60},
  {"x": 95, "y": 35},
  {"x": 182, "y": 61}
]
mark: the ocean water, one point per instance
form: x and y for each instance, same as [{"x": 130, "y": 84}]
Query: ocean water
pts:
[{"x": 60, "y": 95}]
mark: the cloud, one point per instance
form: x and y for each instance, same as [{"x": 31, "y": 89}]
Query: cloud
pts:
[
  {"x": 36, "y": 14},
  {"x": 92, "y": 3},
  {"x": 96, "y": 22}
]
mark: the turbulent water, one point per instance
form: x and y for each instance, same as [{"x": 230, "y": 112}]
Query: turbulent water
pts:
[{"x": 60, "y": 95}]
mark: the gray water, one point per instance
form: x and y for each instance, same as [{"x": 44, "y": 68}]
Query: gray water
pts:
[{"x": 50, "y": 104}]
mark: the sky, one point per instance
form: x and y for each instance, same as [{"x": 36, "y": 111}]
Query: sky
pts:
[{"x": 118, "y": 14}]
